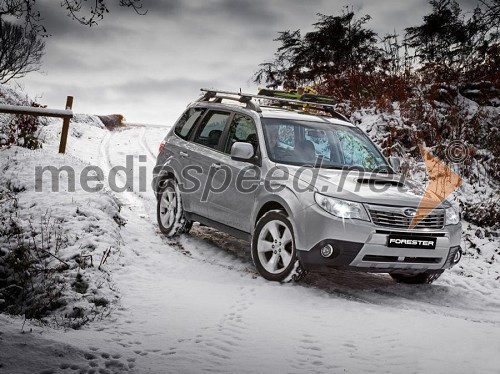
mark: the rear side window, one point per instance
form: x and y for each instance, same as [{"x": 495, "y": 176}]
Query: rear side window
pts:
[
  {"x": 242, "y": 129},
  {"x": 211, "y": 129},
  {"x": 186, "y": 122}
]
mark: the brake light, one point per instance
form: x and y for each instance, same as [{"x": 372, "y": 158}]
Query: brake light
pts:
[{"x": 162, "y": 147}]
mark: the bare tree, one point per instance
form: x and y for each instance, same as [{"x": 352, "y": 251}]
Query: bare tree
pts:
[
  {"x": 20, "y": 51},
  {"x": 491, "y": 13},
  {"x": 85, "y": 12}
]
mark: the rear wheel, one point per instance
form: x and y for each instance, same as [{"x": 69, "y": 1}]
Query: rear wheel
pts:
[
  {"x": 169, "y": 210},
  {"x": 273, "y": 247},
  {"x": 422, "y": 278}
]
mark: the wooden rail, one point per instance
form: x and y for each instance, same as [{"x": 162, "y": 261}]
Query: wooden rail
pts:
[{"x": 66, "y": 115}]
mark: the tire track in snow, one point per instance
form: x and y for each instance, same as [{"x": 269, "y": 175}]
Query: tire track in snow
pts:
[
  {"x": 106, "y": 165},
  {"x": 144, "y": 144},
  {"x": 198, "y": 247},
  {"x": 134, "y": 198}
]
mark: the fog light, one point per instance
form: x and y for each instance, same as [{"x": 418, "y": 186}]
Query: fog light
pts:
[
  {"x": 457, "y": 257},
  {"x": 327, "y": 251}
]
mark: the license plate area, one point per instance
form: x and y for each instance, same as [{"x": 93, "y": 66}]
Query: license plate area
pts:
[{"x": 408, "y": 241}]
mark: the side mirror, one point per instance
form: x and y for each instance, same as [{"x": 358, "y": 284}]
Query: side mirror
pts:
[
  {"x": 241, "y": 151},
  {"x": 395, "y": 163}
]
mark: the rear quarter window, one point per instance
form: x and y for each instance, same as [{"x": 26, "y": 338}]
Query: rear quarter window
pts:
[{"x": 186, "y": 122}]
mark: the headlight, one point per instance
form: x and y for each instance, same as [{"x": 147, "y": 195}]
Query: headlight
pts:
[
  {"x": 452, "y": 216},
  {"x": 341, "y": 208}
]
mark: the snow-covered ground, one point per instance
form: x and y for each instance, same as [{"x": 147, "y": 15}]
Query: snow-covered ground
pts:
[{"x": 197, "y": 304}]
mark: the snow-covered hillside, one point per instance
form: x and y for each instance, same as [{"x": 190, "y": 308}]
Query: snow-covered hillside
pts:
[{"x": 196, "y": 304}]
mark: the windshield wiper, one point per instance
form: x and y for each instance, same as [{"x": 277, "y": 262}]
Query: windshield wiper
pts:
[{"x": 380, "y": 168}]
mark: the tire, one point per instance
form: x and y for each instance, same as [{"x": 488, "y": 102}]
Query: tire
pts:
[
  {"x": 273, "y": 247},
  {"x": 422, "y": 278},
  {"x": 169, "y": 210}
]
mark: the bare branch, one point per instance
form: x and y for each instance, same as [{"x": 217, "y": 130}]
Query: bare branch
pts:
[
  {"x": 20, "y": 52},
  {"x": 95, "y": 12},
  {"x": 85, "y": 12},
  {"x": 134, "y": 4}
]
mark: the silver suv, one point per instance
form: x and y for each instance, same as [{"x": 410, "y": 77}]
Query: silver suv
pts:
[{"x": 308, "y": 189}]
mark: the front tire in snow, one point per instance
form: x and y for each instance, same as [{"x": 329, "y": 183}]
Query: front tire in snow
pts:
[
  {"x": 273, "y": 247},
  {"x": 169, "y": 210},
  {"x": 422, "y": 278}
]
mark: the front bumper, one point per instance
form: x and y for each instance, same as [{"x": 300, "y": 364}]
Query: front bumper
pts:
[
  {"x": 346, "y": 256},
  {"x": 362, "y": 246}
]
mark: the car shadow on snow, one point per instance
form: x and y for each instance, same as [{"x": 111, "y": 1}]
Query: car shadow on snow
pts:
[
  {"x": 217, "y": 248},
  {"x": 440, "y": 298},
  {"x": 374, "y": 288}
]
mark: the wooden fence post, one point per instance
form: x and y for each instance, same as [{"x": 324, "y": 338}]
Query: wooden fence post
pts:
[{"x": 65, "y": 129}]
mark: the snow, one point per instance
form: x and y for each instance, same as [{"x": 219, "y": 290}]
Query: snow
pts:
[
  {"x": 34, "y": 110},
  {"x": 85, "y": 224},
  {"x": 196, "y": 304}
]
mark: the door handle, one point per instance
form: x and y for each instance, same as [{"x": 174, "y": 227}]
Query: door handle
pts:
[
  {"x": 183, "y": 154},
  {"x": 215, "y": 166}
]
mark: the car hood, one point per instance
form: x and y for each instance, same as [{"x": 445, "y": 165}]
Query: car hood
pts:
[{"x": 365, "y": 187}]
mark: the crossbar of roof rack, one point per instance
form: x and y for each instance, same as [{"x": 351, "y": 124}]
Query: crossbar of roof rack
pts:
[{"x": 242, "y": 98}]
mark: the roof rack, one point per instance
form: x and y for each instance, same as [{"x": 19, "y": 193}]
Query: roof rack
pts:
[
  {"x": 281, "y": 98},
  {"x": 242, "y": 98}
]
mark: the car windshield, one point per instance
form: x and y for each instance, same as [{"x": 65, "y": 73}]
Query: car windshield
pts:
[{"x": 318, "y": 144}]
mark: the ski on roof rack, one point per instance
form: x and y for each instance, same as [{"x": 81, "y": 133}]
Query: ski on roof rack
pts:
[
  {"x": 292, "y": 100},
  {"x": 306, "y": 97}
]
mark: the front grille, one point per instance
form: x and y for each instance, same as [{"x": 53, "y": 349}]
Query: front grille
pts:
[
  {"x": 415, "y": 234},
  {"x": 394, "y": 217}
]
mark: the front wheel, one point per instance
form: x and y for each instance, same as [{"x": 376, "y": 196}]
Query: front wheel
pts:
[
  {"x": 273, "y": 247},
  {"x": 422, "y": 278},
  {"x": 169, "y": 210}
]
